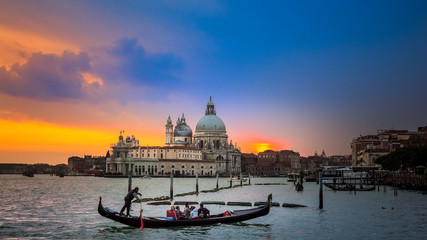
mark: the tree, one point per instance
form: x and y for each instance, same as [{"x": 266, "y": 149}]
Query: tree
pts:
[{"x": 408, "y": 157}]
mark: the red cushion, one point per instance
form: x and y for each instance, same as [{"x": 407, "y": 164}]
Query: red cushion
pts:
[{"x": 170, "y": 213}]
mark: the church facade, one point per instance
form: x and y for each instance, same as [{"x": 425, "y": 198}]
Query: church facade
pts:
[{"x": 206, "y": 153}]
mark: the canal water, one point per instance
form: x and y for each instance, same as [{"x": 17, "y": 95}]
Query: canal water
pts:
[{"x": 48, "y": 207}]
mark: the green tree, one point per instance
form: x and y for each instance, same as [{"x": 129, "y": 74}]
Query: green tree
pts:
[{"x": 408, "y": 157}]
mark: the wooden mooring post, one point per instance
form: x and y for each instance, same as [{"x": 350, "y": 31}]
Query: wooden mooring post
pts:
[
  {"x": 217, "y": 181},
  {"x": 320, "y": 191},
  {"x": 197, "y": 184},
  {"x": 249, "y": 176},
  {"x": 171, "y": 192},
  {"x": 241, "y": 179},
  {"x": 129, "y": 180},
  {"x": 231, "y": 180}
]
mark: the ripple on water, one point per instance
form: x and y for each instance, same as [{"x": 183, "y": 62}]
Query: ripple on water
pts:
[{"x": 66, "y": 208}]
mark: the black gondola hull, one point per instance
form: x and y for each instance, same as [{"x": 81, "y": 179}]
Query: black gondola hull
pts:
[{"x": 151, "y": 222}]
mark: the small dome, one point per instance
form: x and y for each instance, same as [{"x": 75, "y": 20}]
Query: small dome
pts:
[
  {"x": 210, "y": 123},
  {"x": 183, "y": 130}
]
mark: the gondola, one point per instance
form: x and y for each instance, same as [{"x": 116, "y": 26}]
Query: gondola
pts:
[
  {"x": 159, "y": 222},
  {"x": 337, "y": 187}
]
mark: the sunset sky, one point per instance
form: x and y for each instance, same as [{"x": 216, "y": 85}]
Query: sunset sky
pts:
[{"x": 300, "y": 75}]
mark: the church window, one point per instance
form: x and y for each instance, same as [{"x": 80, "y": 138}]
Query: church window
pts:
[
  {"x": 161, "y": 155},
  {"x": 148, "y": 155}
]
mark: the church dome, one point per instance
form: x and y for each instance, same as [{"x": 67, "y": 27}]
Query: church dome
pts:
[
  {"x": 210, "y": 123},
  {"x": 183, "y": 130}
]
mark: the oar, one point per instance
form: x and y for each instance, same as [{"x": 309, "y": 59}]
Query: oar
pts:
[{"x": 142, "y": 223}]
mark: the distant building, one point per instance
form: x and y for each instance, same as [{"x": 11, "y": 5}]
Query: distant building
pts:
[
  {"x": 271, "y": 163},
  {"x": 249, "y": 162},
  {"x": 366, "y": 149},
  {"x": 12, "y": 168},
  {"x": 89, "y": 162}
]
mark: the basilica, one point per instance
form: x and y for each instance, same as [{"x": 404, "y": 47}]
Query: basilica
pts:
[{"x": 206, "y": 153}]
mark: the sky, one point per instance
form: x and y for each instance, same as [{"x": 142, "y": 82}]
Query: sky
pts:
[{"x": 296, "y": 75}]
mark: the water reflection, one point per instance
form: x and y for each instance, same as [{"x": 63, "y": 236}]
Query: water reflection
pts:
[{"x": 66, "y": 208}]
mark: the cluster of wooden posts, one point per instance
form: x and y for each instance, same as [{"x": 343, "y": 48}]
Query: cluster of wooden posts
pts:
[{"x": 197, "y": 187}]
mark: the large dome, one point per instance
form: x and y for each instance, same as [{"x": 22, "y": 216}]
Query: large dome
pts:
[
  {"x": 210, "y": 123},
  {"x": 183, "y": 130}
]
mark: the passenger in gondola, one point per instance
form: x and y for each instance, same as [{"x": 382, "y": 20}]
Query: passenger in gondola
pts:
[
  {"x": 187, "y": 211},
  {"x": 194, "y": 212},
  {"x": 179, "y": 213},
  {"x": 203, "y": 212},
  {"x": 128, "y": 200}
]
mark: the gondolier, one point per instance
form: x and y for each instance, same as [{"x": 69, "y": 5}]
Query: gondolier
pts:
[{"x": 128, "y": 200}]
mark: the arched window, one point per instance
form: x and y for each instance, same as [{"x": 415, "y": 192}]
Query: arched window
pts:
[
  {"x": 163, "y": 166},
  {"x": 201, "y": 167},
  {"x": 201, "y": 144}
]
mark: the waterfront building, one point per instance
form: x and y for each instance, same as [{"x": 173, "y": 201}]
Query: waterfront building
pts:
[
  {"x": 271, "y": 163},
  {"x": 87, "y": 163},
  {"x": 12, "y": 168},
  {"x": 366, "y": 149},
  {"x": 207, "y": 153},
  {"x": 249, "y": 161}
]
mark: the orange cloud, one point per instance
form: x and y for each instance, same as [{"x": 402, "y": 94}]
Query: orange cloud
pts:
[{"x": 16, "y": 46}]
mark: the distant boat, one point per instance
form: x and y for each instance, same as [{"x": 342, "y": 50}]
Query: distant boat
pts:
[
  {"x": 293, "y": 177},
  {"x": 237, "y": 179},
  {"x": 348, "y": 187},
  {"x": 60, "y": 174},
  {"x": 342, "y": 175},
  {"x": 160, "y": 222},
  {"x": 28, "y": 173}
]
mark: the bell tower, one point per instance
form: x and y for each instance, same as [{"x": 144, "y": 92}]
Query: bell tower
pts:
[{"x": 169, "y": 131}]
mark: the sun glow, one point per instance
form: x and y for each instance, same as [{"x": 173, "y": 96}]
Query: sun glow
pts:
[
  {"x": 261, "y": 147},
  {"x": 36, "y": 136}
]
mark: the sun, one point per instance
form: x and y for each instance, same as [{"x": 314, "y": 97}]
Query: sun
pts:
[{"x": 261, "y": 147}]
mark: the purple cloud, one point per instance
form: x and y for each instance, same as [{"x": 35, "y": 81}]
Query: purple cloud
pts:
[{"x": 47, "y": 76}]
